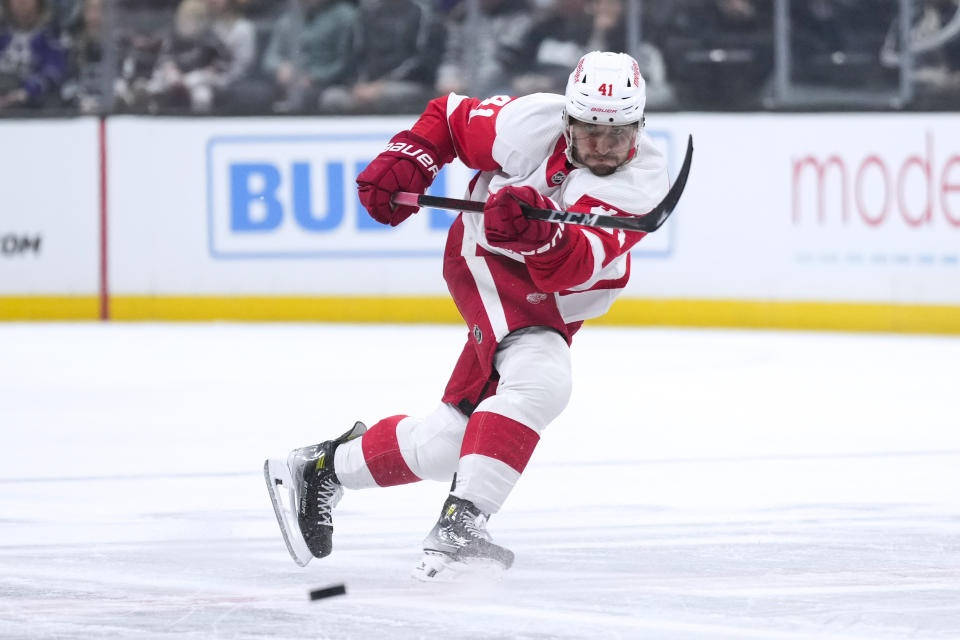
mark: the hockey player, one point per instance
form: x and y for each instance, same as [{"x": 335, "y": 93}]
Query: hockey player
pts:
[{"x": 523, "y": 287}]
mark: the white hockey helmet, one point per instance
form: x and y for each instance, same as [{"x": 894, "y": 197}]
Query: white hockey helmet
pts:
[{"x": 605, "y": 88}]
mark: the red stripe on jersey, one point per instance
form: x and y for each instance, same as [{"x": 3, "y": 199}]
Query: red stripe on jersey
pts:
[
  {"x": 498, "y": 437},
  {"x": 473, "y": 127},
  {"x": 454, "y": 246},
  {"x": 472, "y": 372},
  {"x": 432, "y": 125},
  {"x": 619, "y": 283},
  {"x": 381, "y": 451},
  {"x": 558, "y": 167},
  {"x": 567, "y": 265},
  {"x": 571, "y": 262},
  {"x": 521, "y": 301},
  {"x": 619, "y": 241},
  {"x": 463, "y": 287}
]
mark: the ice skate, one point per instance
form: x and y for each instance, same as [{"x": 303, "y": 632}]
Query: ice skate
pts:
[
  {"x": 304, "y": 490},
  {"x": 459, "y": 545}
]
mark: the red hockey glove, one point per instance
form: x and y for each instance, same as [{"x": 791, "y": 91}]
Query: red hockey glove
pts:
[
  {"x": 506, "y": 227},
  {"x": 409, "y": 163}
]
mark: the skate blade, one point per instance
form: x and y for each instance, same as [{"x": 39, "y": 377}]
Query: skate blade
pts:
[
  {"x": 276, "y": 473},
  {"x": 439, "y": 567}
]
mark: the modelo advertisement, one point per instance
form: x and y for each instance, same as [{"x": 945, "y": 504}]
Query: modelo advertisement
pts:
[{"x": 831, "y": 207}]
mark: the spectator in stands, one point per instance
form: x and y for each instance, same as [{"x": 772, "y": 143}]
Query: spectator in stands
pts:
[
  {"x": 83, "y": 89},
  {"x": 322, "y": 57},
  {"x": 66, "y": 13},
  {"x": 565, "y": 33},
  {"x": 191, "y": 60},
  {"x": 817, "y": 30},
  {"x": 719, "y": 53},
  {"x": 139, "y": 37},
  {"x": 648, "y": 53},
  {"x": 398, "y": 52},
  {"x": 32, "y": 59},
  {"x": 238, "y": 35},
  {"x": 835, "y": 42},
  {"x": 482, "y": 52},
  {"x": 935, "y": 47}
]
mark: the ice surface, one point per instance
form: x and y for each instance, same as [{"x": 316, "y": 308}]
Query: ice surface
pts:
[{"x": 701, "y": 485}]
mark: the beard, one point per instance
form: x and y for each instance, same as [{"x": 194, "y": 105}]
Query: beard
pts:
[
  {"x": 608, "y": 165},
  {"x": 603, "y": 170},
  {"x": 603, "y": 166}
]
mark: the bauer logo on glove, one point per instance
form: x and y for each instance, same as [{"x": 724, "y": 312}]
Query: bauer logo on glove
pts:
[
  {"x": 419, "y": 154},
  {"x": 409, "y": 163}
]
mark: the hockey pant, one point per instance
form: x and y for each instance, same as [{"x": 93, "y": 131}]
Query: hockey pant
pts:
[{"x": 488, "y": 451}]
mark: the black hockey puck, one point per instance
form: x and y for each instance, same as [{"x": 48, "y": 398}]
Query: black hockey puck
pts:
[{"x": 335, "y": 590}]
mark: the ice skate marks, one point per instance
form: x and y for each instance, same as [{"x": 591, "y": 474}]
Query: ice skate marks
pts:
[{"x": 280, "y": 485}]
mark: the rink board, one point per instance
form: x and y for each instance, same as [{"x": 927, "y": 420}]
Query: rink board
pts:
[
  {"x": 836, "y": 221},
  {"x": 49, "y": 218}
]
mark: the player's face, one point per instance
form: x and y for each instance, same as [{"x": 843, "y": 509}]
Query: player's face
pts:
[{"x": 602, "y": 148}]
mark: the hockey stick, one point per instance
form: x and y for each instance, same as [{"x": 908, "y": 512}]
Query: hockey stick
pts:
[{"x": 648, "y": 222}]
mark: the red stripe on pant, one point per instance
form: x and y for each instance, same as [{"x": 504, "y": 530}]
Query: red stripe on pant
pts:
[
  {"x": 498, "y": 437},
  {"x": 381, "y": 452}
]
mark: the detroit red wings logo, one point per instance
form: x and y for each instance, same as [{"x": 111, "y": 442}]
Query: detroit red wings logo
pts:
[{"x": 579, "y": 70}]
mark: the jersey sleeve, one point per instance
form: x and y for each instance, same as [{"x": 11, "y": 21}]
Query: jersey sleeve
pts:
[
  {"x": 465, "y": 128},
  {"x": 584, "y": 255}
]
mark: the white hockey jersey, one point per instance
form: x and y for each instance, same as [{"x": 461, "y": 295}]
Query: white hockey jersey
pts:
[{"x": 517, "y": 142}]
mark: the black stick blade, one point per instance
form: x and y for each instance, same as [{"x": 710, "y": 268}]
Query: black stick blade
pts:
[{"x": 663, "y": 210}]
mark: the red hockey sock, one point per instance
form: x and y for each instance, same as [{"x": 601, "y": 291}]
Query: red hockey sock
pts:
[
  {"x": 381, "y": 451},
  {"x": 499, "y": 437}
]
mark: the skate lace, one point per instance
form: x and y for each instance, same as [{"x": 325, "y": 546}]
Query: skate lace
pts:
[
  {"x": 327, "y": 497},
  {"x": 476, "y": 527}
]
